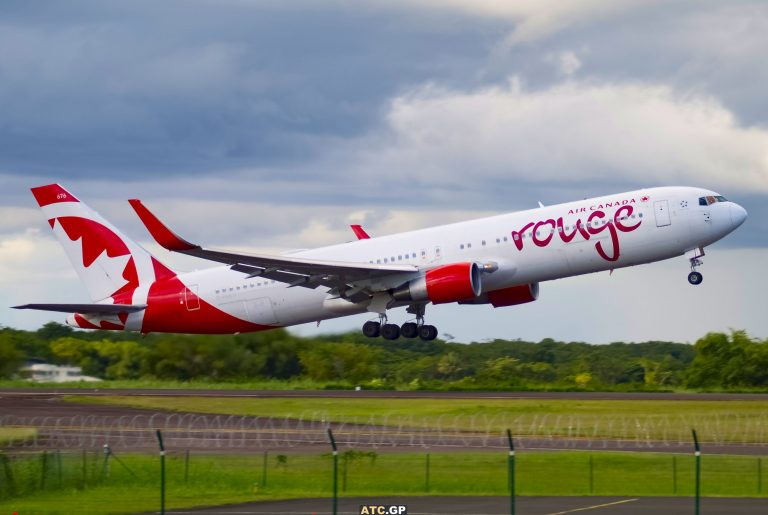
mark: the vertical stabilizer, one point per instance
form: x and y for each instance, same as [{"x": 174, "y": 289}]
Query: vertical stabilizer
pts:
[{"x": 109, "y": 264}]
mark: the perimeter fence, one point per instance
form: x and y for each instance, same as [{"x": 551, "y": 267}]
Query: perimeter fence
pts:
[
  {"x": 735, "y": 433},
  {"x": 127, "y": 478}
]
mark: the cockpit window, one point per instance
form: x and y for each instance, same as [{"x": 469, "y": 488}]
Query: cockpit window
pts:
[{"x": 711, "y": 199}]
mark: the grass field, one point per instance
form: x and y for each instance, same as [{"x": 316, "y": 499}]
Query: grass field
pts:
[
  {"x": 16, "y": 434},
  {"x": 720, "y": 421},
  {"x": 73, "y": 482}
]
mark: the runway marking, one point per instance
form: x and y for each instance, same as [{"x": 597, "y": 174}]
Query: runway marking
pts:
[{"x": 596, "y": 506}]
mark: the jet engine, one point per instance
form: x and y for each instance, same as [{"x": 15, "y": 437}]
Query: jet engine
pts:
[
  {"x": 513, "y": 295},
  {"x": 447, "y": 283}
]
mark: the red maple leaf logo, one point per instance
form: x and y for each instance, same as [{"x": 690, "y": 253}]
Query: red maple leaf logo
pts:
[{"x": 644, "y": 199}]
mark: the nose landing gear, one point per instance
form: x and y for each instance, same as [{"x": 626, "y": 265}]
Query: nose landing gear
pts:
[{"x": 695, "y": 278}]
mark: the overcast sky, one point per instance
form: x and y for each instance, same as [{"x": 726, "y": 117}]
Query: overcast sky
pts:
[{"x": 274, "y": 125}]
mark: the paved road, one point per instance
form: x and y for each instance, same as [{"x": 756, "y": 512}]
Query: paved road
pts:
[{"x": 500, "y": 505}]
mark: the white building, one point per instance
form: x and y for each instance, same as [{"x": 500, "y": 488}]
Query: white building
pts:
[{"x": 47, "y": 373}]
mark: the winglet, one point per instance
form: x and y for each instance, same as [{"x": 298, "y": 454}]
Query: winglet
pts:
[
  {"x": 360, "y": 232},
  {"x": 159, "y": 231}
]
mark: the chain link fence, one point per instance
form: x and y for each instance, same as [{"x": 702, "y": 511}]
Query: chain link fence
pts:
[{"x": 737, "y": 433}]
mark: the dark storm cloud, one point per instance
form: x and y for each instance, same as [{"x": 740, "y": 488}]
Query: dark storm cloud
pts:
[{"x": 188, "y": 87}]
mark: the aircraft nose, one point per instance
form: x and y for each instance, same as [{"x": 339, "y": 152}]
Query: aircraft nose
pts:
[{"x": 738, "y": 215}]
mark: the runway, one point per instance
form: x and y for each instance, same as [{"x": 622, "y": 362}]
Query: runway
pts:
[{"x": 500, "y": 505}]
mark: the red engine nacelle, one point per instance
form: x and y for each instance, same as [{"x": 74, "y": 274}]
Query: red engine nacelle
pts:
[
  {"x": 448, "y": 283},
  {"x": 513, "y": 295}
]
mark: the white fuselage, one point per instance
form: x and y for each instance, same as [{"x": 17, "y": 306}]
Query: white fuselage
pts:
[{"x": 530, "y": 246}]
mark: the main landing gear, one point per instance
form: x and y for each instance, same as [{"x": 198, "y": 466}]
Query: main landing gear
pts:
[
  {"x": 695, "y": 278},
  {"x": 373, "y": 329}
]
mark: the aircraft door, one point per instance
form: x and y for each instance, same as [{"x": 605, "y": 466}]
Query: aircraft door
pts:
[
  {"x": 661, "y": 209},
  {"x": 260, "y": 311},
  {"x": 191, "y": 300}
]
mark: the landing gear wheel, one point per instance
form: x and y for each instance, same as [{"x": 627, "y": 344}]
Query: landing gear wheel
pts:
[
  {"x": 695, "y": 278},
  {"x": 390, "y": 331},
  {"x": 409, "y": 330},
  {"x": 427, "y": 332},
  {"x": 371, "y": 329}
]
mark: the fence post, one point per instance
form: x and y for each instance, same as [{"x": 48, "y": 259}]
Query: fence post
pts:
[
  {"x": 344, "y": 473},
  {"x": 511, "y": 468},
  {"x": 43, "y": 467},
  {"x": 8, "y": 469},
  {"x": 105, "y": 466},
  {"x": 85, "y": 468},
  {"x": 759, "y": 474},
  {"x": 264, "y": 469},
  {"x": 674, "y": 474},
  {"x": 697, "y": 454},
  {"x": 162, "y": 471},
  {"x": 186, "y": 466},
  {"x": 335, "y": 472},
  {"x": 591, "y": 474},
  {"x": 426, "y": 475},
  {"x": 58, "y": 466}
]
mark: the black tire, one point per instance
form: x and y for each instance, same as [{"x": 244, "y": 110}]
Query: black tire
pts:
[
  {"x": 695, "y": 278},
  {"x": 427, "y": 332},
  {"x": 390, "y": 331},
  {"x": 409, "y": 330},
  {"x": 371, "y": 329}
]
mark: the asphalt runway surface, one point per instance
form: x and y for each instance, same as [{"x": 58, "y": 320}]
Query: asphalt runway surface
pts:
[
  {"x": 500, "y": 505},
  {"x": 66, "y": 425},
  {"x": 386, "y": 394}
]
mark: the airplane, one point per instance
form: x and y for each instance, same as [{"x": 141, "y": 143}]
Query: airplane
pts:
[{"x": 498, "y": 261}]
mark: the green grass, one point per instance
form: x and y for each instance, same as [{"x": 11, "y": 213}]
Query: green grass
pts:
[
  {"x": 265, "y": 384},
  {"x": 716, "y": 421},
  {"x": 10, "y": 435},
  {"x": 217, "y": 480}
]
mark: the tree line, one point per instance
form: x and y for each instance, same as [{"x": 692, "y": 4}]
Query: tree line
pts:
[{"x": 716, "y": 361}]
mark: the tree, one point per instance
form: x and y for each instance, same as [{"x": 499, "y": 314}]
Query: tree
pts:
[
  {"x": 73, "y": 351},
  {"x": 123, "y": 360},
  {"x": 10, "y": 356},
  {"x": 727, "y": 361},
  {"x": 340, "y": 361},
  {"x": 450, "y": 366}
]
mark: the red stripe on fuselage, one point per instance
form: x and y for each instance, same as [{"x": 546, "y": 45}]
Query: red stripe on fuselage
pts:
[{"x": 167, "y": 313}]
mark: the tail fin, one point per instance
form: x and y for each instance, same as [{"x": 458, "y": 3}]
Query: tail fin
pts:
[{"x": 109, "y": 263}]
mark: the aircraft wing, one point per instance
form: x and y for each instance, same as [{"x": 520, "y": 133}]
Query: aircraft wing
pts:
[
  {"x": 350, "y": 279},
  {"x": 101, "y": 309}
]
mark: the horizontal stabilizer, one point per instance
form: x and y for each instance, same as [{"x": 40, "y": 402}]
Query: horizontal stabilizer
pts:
[{"x": 106, "y": 309}]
